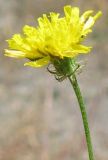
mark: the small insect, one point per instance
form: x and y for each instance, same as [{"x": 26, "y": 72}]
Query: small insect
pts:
[{"x": 60, "y": 77}]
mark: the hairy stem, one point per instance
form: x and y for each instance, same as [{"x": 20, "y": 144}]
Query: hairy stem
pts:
[{"x": 76, "y": 88}]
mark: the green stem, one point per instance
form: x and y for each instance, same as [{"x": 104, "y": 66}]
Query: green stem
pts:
[{"x": 75, "y": 85}]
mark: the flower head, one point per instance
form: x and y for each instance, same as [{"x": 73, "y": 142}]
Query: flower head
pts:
[{"x": 54, "y": 38}]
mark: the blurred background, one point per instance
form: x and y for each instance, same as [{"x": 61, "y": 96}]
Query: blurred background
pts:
[{"x": 40, "y": 117}]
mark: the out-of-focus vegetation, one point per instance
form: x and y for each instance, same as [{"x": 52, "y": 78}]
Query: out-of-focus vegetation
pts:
[{"x": 39, "y": 117}]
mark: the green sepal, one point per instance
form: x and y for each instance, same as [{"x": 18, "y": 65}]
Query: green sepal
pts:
[{"x": 66, "y": 66}]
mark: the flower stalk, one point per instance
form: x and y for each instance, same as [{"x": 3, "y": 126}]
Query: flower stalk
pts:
[{"x": 76, "y": 88}]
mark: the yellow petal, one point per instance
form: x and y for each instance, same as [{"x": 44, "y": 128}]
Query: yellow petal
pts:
[
  {"x": 97, "y": 15},
  {"x": 18, "y": 39},
  {"x": 17, "y": 42},
  {"x": 68, "y": 10},
  {"x": 81, "y": 49},
  {"x": 85, "y": 15},
  {"x": 89, "y": 23},
  {"x": 72, "y": 14},
  {"x": 39, "y": 63},
  {"x": 54, "y": 17},
  {"x": 14, "y": 54},
  {"x": 76, "y": 49},
  {"x": 29, "y": 31}
]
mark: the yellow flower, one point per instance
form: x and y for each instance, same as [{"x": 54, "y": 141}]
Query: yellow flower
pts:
[{"x": 54, "y": 37}]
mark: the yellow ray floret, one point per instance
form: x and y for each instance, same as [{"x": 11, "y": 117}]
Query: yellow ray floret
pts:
[
  {"x": 55, "y": 36},
  {"x": 39, "y": 63}
]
